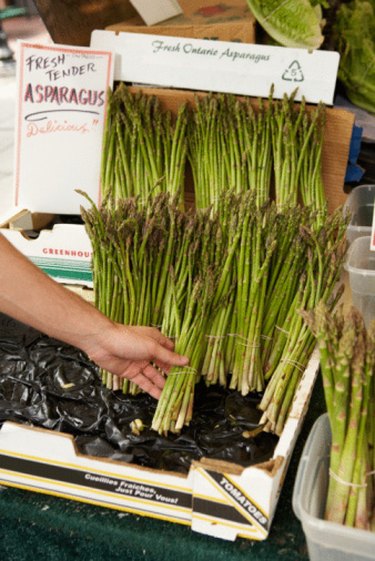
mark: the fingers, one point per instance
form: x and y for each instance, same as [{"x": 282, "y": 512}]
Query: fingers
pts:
[
  {"x": 154, "y": 375},
  {"x": 162, "y": 339},
  {"x": 150, "y": 380},
  {"x": 164, "y": 367},
  {"x": 147, "y": 386},
  {"x": 164, "y": 356},
  {"x": 168, "y": 343},
  {"x": 155, "y": 334}
]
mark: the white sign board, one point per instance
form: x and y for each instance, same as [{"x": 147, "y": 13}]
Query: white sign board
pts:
[
  {"x": 221, "y": 66},
  {"x": 157, "y": 10},
  {"x": 60, "y": 122}
]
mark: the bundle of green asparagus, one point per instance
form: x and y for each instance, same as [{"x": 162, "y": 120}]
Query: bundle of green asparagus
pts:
[
  {"x": 134, "y": 246},
  {"x": 229, "y": 148},
  {"x": 297, "y": 142},
  {"x": 226, "y": 285},
  {"x": 323, "y": 254},
  {"x": 276, "y": 146},
  {"x": 144, "y": 148},
  {"x": 347, "y": 356},
  {"x": 272, "y": 148}
]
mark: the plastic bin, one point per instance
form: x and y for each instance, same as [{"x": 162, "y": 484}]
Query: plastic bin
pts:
[
  {"x": 326, "y": 541},
  {"x": 360, "y": 204},
  {"x": 360, "y": 265}
]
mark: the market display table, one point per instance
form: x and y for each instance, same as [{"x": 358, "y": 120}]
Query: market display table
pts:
[{"x": 35, "y": 526}]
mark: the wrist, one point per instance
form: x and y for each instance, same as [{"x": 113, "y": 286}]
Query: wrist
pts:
[{"x": 98, "y": 336}]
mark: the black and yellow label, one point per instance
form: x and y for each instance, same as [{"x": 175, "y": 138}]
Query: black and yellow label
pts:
[
  {"x": 237, "y": 507},
  {"x": 118, "y": 486}
]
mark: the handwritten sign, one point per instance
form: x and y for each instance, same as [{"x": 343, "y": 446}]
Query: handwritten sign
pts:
[
  {"x": 221, "y": 66},
  {"x": 60, "y": 121}
]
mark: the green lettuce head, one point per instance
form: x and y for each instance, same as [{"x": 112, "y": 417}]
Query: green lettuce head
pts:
[
  {"x": 292, "y": 23},
  {"x": 354, "y": 34}
]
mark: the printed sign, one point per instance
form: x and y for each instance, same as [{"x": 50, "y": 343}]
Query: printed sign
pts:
[
  {"x": 372, "y": 246},
  {"x": 221, "y": 66},
  {"x": 60, "y": 121}
]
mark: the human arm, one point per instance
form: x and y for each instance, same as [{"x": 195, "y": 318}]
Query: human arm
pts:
[{"x": 30, "y": 296}]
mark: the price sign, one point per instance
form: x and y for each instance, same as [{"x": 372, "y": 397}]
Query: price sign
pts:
[
  {"x": 221, "y": 66},
  {"x": 60, "y": 122}
]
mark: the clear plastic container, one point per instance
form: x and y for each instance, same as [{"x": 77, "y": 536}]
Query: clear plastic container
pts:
[
  {"x": 326, "y": 541},
  {"x": 360, "y": 205},
  {"x": 360, "y": 264}
]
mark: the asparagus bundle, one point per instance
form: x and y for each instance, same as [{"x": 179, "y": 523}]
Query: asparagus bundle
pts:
[
  {"x": 189, "y": 305},
  {"x": 229, "y": 148},
  {"x": 144, "y": 147},
  {"x": 294, "y": 341},
  {"x": 175, "y": 406},
  {"x": 230, "y": 213},
  {"x": 133, "y": 247},
  {"x": 235, "y": 146},
  {"x": 284, "y": 125},
  {"x": 258, "y": 242},
  {"x": 297, "y": 142},
  {"x": 309, "y": 168},
  {"x": 347, "y": 355},
  {"x": 288, "y": 264}
]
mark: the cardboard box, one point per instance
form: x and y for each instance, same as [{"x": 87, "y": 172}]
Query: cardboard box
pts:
[
  {"x": 216, "y": 498},
  {"x": 230, "y": 20},
  {"x": 63, "y": 252}
]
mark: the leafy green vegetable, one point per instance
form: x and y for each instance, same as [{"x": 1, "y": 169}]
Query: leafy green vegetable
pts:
[
  {"x": 292, "y": 23},
  {"x": 354, "y": 37}
]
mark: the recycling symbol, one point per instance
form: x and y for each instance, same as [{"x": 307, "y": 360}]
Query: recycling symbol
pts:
[{"x": 293, "y": 73}]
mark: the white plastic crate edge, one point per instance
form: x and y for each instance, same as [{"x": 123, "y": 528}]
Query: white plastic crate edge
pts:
[{"x": 325, "y": 539}]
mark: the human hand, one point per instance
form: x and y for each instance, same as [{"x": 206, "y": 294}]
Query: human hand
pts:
[{"x": 128, "y": 351}]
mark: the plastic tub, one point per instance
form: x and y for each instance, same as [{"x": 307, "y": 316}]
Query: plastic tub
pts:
[
  {"x": 326, "y": 541},
  {"x": 360, "y": 205},
  {"x": 360, "y": 265}
]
